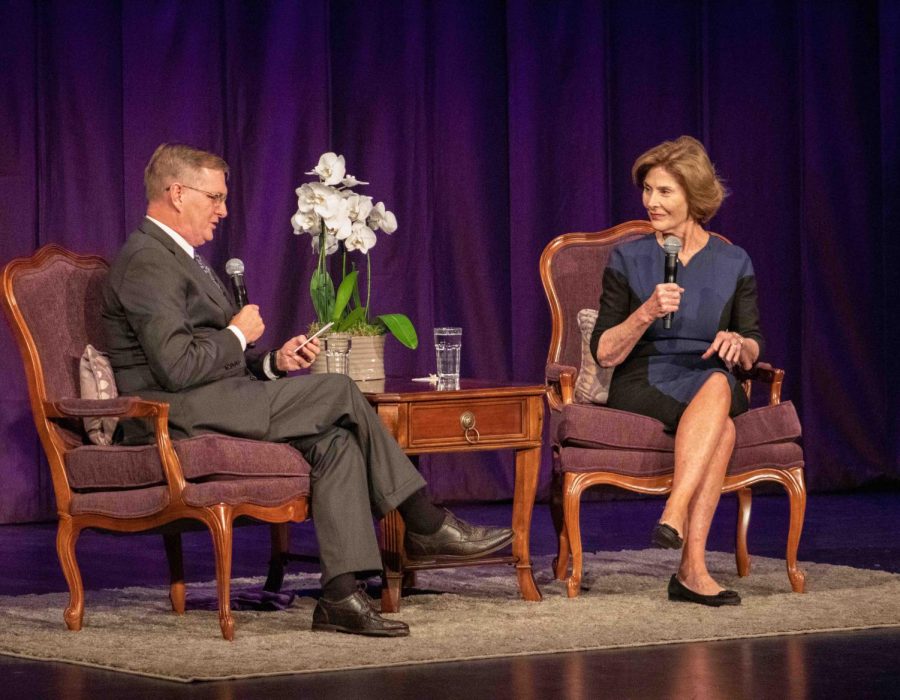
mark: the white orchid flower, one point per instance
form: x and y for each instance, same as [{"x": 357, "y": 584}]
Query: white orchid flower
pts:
[
  {"x": 359, "y": 206},
  {"x": 381, "y": 218},
  {"x": 305, "y": 221},
  {"x": 331, "y": 244},
  {"x": 334, "y": 212},
  {"x": 350, "y": 181},
  {"x": 331, "y": 169},
  {"x": 313, "y": 193},
  {"x": 331, "y": 206},
  {"x": 361, "y": 238}
]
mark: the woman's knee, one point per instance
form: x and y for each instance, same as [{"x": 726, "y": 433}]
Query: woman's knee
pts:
[
  {"x": 728, "y": 433},
  {"x": 718, "y": 385}
]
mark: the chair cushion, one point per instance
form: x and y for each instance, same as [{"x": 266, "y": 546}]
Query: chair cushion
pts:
[
  {"x": 136, "y": 503},
  {"x": 645, "y": 463},
  {"x": 207, "y": 456},
  {"x": 203, "y": 457},
  {"x": 260, "y": 492},
  {"x": 97, "y": 382},
  {"x": 129, "y": 503},
  {"x": 607, "y": 428},
  {"x": 761, "y": 426},
  {"x": 95, "y": 467},
  {"x": 586, "y": 425},
  {"x": 592, "y": 384}
]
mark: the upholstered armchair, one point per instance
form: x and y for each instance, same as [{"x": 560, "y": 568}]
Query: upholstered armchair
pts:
[
  {"x": 53, "y": 302},
  {"x": 595, "y": 445}
]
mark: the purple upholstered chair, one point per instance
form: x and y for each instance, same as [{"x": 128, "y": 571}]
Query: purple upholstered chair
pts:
[
  {"x": 595, "y": 445},
  {"x": 53, "y": 302}
]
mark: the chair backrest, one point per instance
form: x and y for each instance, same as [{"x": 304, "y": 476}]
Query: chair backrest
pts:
[
  {"x": 572, "y": 268},
  {"x": 53, "y": 301}
]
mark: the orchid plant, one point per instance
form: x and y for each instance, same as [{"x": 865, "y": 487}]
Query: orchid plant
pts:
[{"x": 337, "y": 218}]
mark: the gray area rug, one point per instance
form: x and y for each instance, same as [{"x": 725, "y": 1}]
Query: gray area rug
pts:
[{"x": 478, "y": 615}]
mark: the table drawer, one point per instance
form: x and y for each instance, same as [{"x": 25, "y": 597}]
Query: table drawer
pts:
[{"x": 441, "y": 424}]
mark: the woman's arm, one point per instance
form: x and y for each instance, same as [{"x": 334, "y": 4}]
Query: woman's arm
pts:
[
  {"x": 623, "y": 318},
  {"x": 617, "y": 342}
]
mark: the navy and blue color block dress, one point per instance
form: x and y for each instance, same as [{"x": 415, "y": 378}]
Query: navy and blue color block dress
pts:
[{"x": 665, "y": 369}]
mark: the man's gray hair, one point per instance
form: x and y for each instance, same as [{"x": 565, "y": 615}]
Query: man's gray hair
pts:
[{"x": 172, "y": 161}]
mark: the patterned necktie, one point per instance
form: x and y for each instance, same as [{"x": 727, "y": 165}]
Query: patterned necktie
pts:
[{"x": 209, "y": 273}]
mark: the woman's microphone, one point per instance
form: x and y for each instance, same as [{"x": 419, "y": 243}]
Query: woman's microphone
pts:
[
  {"x": 234, "y": 268},
  {"x": 671, "y": 244}
]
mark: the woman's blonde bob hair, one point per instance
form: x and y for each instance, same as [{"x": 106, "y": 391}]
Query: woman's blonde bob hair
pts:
[{"x": 686, "y": 160}]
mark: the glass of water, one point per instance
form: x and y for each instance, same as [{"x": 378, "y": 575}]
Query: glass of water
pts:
[
  {"x": 337, "y": 353},
  {"x": 447, "y": 344}
]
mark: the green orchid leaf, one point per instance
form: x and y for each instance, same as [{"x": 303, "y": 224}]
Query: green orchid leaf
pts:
[
  {"x": 321, "y": 289},
  {"x": 348, "y": 284},
  {"x": 358, "y": 314},
  {"x": 356, "y": 299},
  {"x": 401, "y": 328}
]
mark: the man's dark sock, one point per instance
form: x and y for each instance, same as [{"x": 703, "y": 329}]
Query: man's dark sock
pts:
[
  {"x": 421, "y": 515},
  {"x": 339, "y": 587}
]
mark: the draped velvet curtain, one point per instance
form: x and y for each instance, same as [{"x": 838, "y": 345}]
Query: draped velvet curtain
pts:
[{"x": 488, "y": 128}]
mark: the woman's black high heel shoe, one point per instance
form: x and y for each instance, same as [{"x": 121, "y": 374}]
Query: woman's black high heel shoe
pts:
[
  {"x": 666, "y": 537},
  {"x": 681, "y": 593}
]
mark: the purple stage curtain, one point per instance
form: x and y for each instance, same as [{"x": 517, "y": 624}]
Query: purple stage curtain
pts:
[{"x": 488, "y": 128}]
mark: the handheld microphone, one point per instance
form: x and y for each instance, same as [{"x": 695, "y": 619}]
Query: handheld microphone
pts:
[
  {"x": 671, "y": 244},
  {"x": 234, "y": 268}
]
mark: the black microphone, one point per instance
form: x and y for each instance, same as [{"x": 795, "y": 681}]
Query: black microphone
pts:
[
  {"x": 234, "y": 268},
  {"x": 671, "y": 244}
]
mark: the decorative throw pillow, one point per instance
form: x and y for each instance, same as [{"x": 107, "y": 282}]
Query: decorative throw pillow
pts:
[
  {"x": 592, "y": 384},
  {"x": 98, "y": 382}
]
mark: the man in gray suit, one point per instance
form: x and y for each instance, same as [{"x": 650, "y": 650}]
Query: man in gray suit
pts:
[{"x": 175, "y": 335}]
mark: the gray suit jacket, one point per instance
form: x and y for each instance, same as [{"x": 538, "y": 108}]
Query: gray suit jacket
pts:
[{"x": 167, "y": 340}]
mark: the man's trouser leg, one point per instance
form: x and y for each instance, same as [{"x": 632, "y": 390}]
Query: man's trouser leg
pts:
[{"x": 357, "y": 467}]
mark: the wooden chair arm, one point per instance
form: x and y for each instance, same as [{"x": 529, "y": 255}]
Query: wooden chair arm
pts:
[
  {"x": 766, "y": 373},
  {"x": 130, "y": 407},
  {"x": 560, "y": 381}
]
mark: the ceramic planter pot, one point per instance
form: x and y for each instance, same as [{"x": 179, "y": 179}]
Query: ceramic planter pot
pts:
[{"x": 366, "y": 358}]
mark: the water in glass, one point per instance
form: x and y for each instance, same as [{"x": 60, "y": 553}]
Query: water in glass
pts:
[{"x": 447, "y": 345}]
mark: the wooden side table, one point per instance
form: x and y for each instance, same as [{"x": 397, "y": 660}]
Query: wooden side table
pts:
[{"x": 480, "y": 415}]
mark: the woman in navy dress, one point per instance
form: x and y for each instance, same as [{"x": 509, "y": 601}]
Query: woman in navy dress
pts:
[{"x": 682, "y": 375}]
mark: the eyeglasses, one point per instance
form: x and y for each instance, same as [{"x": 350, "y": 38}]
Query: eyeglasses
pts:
[{"x": 217, "y": 198}]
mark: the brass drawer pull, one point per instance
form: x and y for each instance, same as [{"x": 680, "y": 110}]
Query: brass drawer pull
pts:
[{"x": 467, "y": 421}]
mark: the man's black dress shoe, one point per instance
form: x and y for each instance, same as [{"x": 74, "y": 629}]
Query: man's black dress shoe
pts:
[
  {"x": 456, "y": 540},
  {"x": 681, "y": 593},
  {"x": 355, "y": 615},
  {"x": 666, "y": 537}
]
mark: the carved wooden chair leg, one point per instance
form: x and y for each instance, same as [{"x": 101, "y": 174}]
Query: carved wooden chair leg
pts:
[
  {"x": 741, "y": 553},
  {"x": 391, "y": 533},
  {"x": 176, "y": 570},
  {"x": 561, "y": 562},
  {"x": 796, "y": 488},
  {"x": 572, "y": 510},
  {"x": 221, "y": 528},
  {"x": 66, "y": 537},
  {"x": 280, "y": 547}
]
